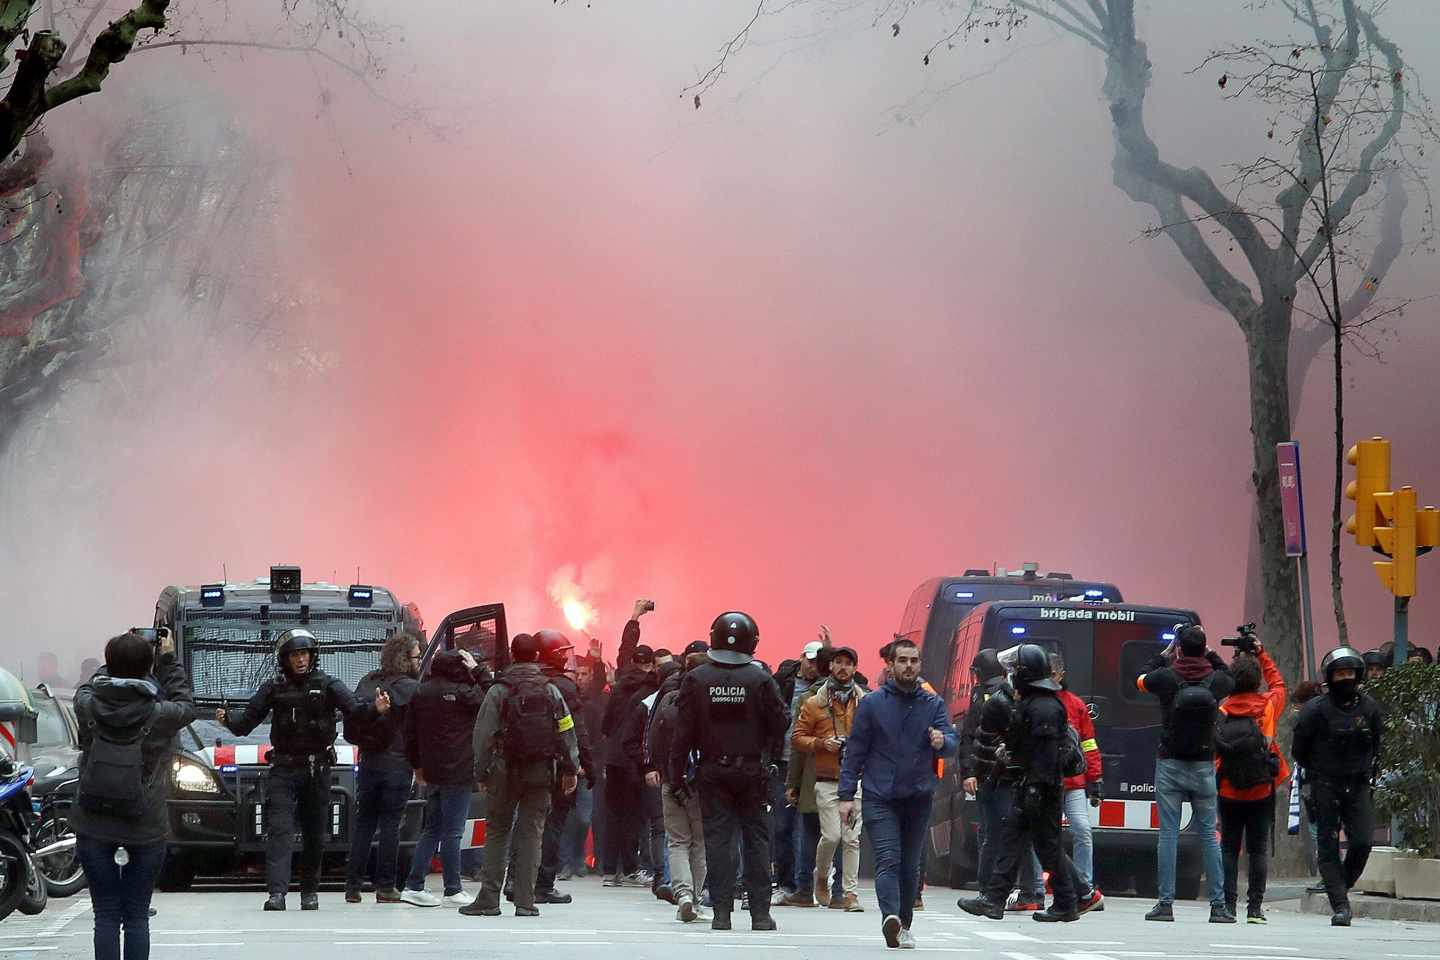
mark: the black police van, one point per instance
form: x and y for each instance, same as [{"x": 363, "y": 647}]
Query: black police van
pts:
[
  {"x": 225, "y": 636},
  {"x": 1105, "y": 646},
  {"x": 937, "y": 606}
]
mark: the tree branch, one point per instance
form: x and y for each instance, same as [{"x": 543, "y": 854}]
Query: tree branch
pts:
[
  {"x": 14, "y": 16},
  {"x": 84, "y": 31},
  {"x": 111, "y": 46}
]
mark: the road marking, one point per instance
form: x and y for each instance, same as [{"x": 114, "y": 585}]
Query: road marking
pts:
[
  {"x": 377, "y": 943},
  {"x": 25, "y": 949},
  {"x": 1253, "y": 946},
  {"x": 213, "y": 943},
  {"x": 1003, "y": 935},
  {"x": 1082, "y": 956},
  {"x": 63, "y": 921},
  {"x": 1020, "y": 956},
  {"x": 563, "y": 943},
  {"x": 754, "y": 946}
]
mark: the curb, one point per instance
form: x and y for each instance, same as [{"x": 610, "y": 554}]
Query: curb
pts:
[{"x": 1377, "y": 908}]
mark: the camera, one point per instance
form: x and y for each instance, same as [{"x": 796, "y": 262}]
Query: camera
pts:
[
  {"x": 155, "y": 635},
  {"x": 1244, "y": 642}
]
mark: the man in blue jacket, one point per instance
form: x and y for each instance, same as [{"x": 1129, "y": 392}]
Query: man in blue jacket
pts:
[{"x": 900, "y": 735}]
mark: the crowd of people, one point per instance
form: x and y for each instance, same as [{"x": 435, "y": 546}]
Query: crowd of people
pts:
[{"x": 706, "y": 774}]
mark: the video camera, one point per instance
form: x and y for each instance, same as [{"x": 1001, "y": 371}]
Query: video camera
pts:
[
  {"x": 154, "y": 635},
  {"x": 1245, "y": 642}
]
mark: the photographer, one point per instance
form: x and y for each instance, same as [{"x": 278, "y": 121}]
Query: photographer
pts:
[
  {"x": 127, "y": 721},
  {"x": 1249, "y": 769},
  {"x": 1189, "y": 680},
  {"x": 821, "y": 729}
]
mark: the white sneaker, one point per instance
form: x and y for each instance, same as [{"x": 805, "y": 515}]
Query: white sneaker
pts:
[
  {"x": 461, "y": 899},
  {"x": 419, "y": 898},
  {"x": 907, "y": 940}
]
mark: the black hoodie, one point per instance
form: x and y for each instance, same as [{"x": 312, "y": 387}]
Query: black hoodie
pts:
[
  {"x": 990, "y": 680},
  {"x": 121, "y": 708},
  {"x": 441, "y": 720}
]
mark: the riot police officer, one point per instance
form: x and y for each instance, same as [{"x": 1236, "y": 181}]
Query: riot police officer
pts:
[
  {"x": 1035, "y": 745},
  {"x": 730, "y": 713},
  {"x": 303, "y": 700},
  {"x": 555, "y": 650},
  {"x": 1337, "y": 741}
]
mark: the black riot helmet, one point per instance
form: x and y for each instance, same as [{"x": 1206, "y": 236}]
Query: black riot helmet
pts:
[
  {"x": 1032, "y": 668},
  {"x": 297, "y": 640},
  {"x": 1342, "y": 657},
  {"x": 733, "y": 637},
  {"x": 987, "y": 666},
  {"x": 554, "y": 647}
]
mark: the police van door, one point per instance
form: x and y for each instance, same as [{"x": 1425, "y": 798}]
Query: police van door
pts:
[{"x": 480, "y": 630}]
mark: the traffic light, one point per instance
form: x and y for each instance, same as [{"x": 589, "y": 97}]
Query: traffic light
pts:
[
  {"x": 1427, "y": 529},
  {"x": 1371, "y": 459},
  {"x": 1396, "y": 537}
]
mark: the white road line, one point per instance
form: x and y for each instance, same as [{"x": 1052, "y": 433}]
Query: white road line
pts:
[
  {"x": 1082, "y": 956},
  {"x": 213, "y": 943},
  {"x": 62, "y": 921},
  {"x": 564, "y": 943},
  {"x": 1020, "y": 956},
  {"x": 754, "y": 946},
  {"x": 25, "y": 949},
  {"x": 378, "y": 943},
  {"x": 1006, "y": 935},
  {"x": 1253, "y": 946}
]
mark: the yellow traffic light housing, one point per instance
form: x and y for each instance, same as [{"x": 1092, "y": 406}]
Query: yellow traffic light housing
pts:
[
  {"x": 1396, "y": 536},
  {"x": 1371, "y": 459},
  {"x": 1427, "y": 529}
]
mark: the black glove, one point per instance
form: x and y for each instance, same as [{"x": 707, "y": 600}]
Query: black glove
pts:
[
  {"x": 1216, "y": 661},
  {"x": 1093, "y": 790}
]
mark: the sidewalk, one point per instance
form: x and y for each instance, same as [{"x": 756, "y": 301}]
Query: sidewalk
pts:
[{"x": 1369, "y": 907}]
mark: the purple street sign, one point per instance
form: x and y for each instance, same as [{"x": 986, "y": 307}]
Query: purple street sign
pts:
[{"x": 1292, "y": 502}]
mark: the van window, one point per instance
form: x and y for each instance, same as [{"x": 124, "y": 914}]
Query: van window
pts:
[
  {"x": 1122, "y": 652},
  {"x": 1072, "y": 638}
]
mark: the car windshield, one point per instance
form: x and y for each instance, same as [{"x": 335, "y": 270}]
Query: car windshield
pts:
[{"x": 51, "y": 727}]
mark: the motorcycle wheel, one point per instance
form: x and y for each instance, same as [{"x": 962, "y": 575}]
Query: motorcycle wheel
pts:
[
  {"x": 63, "y": 874},
  {"x": 36, "y": 896},
  {"x": 13, "y": 857}
]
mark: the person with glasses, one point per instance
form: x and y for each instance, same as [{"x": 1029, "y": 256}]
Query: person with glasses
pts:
[{"x": 382, "y": 786}]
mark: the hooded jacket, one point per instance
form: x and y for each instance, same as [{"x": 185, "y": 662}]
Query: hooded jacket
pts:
[
  {"x": 440, "y": 722},
  {"x": 1079, "y": 717},
  {"x": 889, "y": 746},
  {"x": 660, "y": 731},
  {"x": 1265, "y": 709},
  {"x": 121, "y": 708},
  {"x": 991, "y": 680},
  {"x": 401, "y": 687},
  {"x": 1165, "y": 680},
  {"x": 490, "y": 764},
  {"x": 823, "y": 716}
]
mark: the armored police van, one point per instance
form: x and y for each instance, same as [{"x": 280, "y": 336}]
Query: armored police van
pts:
[
  {"x": 1105, "y": 647},
  {"x": 225, "y": 636}
]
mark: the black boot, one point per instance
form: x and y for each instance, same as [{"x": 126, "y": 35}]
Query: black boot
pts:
[
  {"x": 309, "y": 901},
  {"x": 1341, "y": 917},
  {"x": 276, "y": 902},
  {"x": 762, "y": 921},
  {"x": 552, "y": 896},
  {"x": 721, "y": 920},
  {"x": 981, "y": 907}
]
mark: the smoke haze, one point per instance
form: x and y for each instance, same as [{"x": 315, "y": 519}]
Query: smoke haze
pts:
[{"x": 794, "y": 352}]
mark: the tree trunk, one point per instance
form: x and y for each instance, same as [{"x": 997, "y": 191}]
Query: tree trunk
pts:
[
  {"x": 1268, "y": 345},
  {"x": 1337, "y": 598}
]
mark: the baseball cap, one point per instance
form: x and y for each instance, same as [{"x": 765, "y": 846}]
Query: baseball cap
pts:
[
  {"x": 697, "y": 646},
  {"x": 643, "y": 654},
  {"x": 812, "y": 649},
  {"x": 845, "y": 652}
]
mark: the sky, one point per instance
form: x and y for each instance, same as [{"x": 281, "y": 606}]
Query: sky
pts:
[{"x": 851, "y": 324}]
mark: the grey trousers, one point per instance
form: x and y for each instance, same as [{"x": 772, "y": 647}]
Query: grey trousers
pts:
[{"x": 685, "y": 837}]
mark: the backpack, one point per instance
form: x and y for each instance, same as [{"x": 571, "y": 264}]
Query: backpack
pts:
[
  {"x": 371, "y": 733},
  {"x": 1246, "y": 759},
  {"x": 112, "y": 773},
  {"x": 1072, "y": 757},
  {"x": 528, "y": 723},
  {"x": 1191, "y": 735}
]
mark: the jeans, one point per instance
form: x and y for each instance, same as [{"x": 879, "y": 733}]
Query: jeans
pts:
[
  {"x": 622, "y": 821},
  {"x": 577, "y": 828},
  {"x": 1248, "y": 821},
  {"x": 446, "y": 807},
  {"x": 784, "y": 832},
  {"x": 807, "y": 835},
  {"x": 897, "y": 830},
  {"x": 120, "y": 896},
  {"x": 1342, "y": 803},
  {"x": 995, "y": 802},
  {"x": 380, "y": 797},
  {"x": 1177, "y": 781}
]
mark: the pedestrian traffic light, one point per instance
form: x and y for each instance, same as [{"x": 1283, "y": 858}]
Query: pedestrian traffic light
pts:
[
  {"x": 1427, "y": 529},
  {"x": 1371, "y": 459},
  {"x": 1396, "y": 537}
]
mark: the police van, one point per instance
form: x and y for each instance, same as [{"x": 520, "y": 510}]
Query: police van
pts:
[
  {"x": 225, "y": 636},
  {"x": 1105, "y": 647},
  {"x": 937, "y": 606}
]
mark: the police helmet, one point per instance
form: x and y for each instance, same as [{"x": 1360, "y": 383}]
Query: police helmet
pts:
[
  {"x": 296, "y": 640},
  {"x": 1340, "y": 658},
  {"x": 987, "y": 666},
  {"x": 554, "y": 647},
  {"x": 733, "y": 637},
  {"x": 1032, "y": 667},
  {"x": 1374, "y": 658}
]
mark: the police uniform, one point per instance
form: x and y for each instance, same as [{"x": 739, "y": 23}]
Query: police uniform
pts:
[
  {"x": 1337, "y": 741},
  {"x": 302, "y": 735},
  {"x": 730, "y": 714}
]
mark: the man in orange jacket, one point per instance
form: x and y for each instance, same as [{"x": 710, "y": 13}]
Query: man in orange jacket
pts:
[{"x": 1250, "y": 767}]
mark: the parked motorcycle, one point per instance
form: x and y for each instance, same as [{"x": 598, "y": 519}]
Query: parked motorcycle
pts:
[
  {"x": 55, "y": 853},
  {"x": 22, "y": 886}
]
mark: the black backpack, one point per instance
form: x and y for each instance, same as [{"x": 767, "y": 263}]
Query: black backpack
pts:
[
  {"x": 1246, "y": 759},
  {"x": 372, "y": 733},
  {"x": 1072, "y": 757},
  {"x": 112, "y": 773},
  {"x": 1192, "y": 721},
  {"x": 528, "y": 723}
]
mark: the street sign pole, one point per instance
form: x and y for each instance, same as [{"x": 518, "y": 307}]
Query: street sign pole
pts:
[
  {"x": 1402, "y": 630},
  {"x": 1292, "y": 507}
]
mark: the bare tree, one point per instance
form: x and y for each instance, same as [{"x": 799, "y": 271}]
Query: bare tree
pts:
[{"x": 1277, "y": 243}]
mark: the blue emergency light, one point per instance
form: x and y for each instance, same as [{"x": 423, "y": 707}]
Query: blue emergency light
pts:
[
  {"x": 212, "y": 595},
  {"x": 1167, "y": 636},
  {"x": 1017, "y": 630},
  {"x": 964, "y": 595},
  {"x": 361, "y": 595}
]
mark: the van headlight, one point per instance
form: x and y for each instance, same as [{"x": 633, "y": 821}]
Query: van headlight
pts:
[{"x": 192, "y": 777}]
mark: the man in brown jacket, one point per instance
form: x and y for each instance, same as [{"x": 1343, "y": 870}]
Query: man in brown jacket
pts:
[{"x": 821, "y": 730}]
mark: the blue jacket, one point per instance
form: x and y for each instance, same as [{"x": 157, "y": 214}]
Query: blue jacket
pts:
[{"x": 889, "y": 746}]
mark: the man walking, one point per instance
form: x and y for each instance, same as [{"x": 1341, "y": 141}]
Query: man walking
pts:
[
  {"x": 438, "y": 729},
  {"x": 900, "y": 734},
  {"x": 524, "y": 746},
  {"x": 990, "y": 787},
  {"x": 680, "y": 806},
  {"x": 1189, "y": 686},
  {"x": 822, "y": 730},
  {"x": 1337, "y": 741}
]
